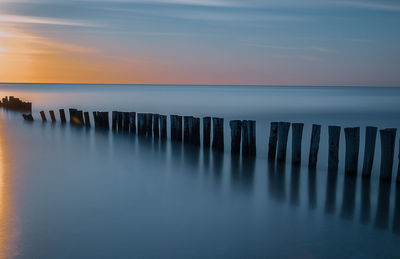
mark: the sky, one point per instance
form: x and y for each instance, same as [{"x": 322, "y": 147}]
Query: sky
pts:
[{"x": 266, "y": 42}]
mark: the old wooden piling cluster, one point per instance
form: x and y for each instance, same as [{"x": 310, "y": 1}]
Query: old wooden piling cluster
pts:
[
  {"x": 15, "y": 104},
  {"x": 243, "y": 134}
]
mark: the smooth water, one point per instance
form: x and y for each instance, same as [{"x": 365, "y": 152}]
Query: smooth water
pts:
[{"x": 67, "y": 192}]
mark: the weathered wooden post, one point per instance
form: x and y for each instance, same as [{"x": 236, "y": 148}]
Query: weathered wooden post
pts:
[
  {"x": 333, "y": 157},
  {"x": 369, "y": 151},
  {"x": 178, "y": 128},
  {"x": 163, "y": 126},
  {"x": 195, "y": 138},
  {"x": 283, "y": 132},
  {"x": 187, "y": 128},
  {"x": 96, "y": 120},
  {"x": 141, "y": 121},
  {"x": 206, "y": 132},
  {"x": 120, "y": 121},
  {"x": 149, "y": 124},
  {"x": 314, "y": 146},
  {"x": 218, "y": 134},
  {"x": 388, "y": 137},
  {"x": 236, "y": 133},
  {"x": 87, "y": 120},
  {"x": 273, "y": 140},
  {"x": 352, "y": 136},
  {"x": 62, "y": 116},
  {"x": 156, "y": 125},
  {"x": 132, "y": 122},
  {"x": 297, "y": 135},
  {"x": 126, "y": 123},
  {"x": 43, "y": 116},
  {"x": 245, "y": 138},
  {"x": 72, "y": 115},
  {"x": 114, "y": 118},
  {"x": 172, "y": 126},
  {"x": 252, "y": 138},
  {"x": 52, "y": 116}
]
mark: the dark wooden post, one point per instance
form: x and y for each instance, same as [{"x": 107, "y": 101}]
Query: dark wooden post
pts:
[
  {"x": 106, "y": 121},
  {"x": 388, "y": 137},
  {"x": 252, "y": 138},
  {"x": 334, "y": 138},
  {"x": 369, "y": 151},
  {"x": 297, "y": 135},
  {"x": 314, "y": 146},
  {"x": 126, "y": 121},
  {"x": 195, "y": 138},
  {"x": 245, "y": 138},
  {"x": 87, "y": 120},
  {"x": 187, "y": 128},
  {"x": 72, "y": 115},
  {"x": 218, "y": 134},
  {"x": 96, "y": 120},
  {"x": 52, "y": 116},
  {"x": 132, "y": 122},
  {"x": 120, "y": 121},
  {"x": 283, "y": 132},
  {"x": 163, "y": 126},
  {"x": 141, "y": 117},
  {"x": 206, "y": 132},
  {"x": 114, "y": 118},
  {"x": 178, "y": 128},
  {"x": 149, "y": 124},
  {"x": 62, "y": 116},
  {"x": 43, "y": 116},
  {"x": 236, "y": 132},
  {"x": 273, "y": 140},
  {"x": 352, "y": 136},
  {"x": 156, "y": 125},
  {"x": 173, "y": 126},
  {"x": 398, "y": 174}
]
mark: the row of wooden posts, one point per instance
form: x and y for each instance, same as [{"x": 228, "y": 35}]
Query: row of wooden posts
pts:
[
  {"x": 243, "y": 137},
  {"x": 15, "y": 104}
]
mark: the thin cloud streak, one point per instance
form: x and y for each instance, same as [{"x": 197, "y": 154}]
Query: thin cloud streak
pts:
[{"x": 41, "y": 20}]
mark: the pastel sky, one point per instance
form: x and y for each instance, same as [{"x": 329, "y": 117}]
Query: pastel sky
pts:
[{"x": 268, "y": 42}]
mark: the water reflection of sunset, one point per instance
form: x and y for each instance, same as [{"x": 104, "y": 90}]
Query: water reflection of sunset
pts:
[{"x": 7, "y": 230}]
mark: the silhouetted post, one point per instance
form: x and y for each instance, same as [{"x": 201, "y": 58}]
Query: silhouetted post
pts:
[
  {"x": 163, "y": 126},
  {"x": 87, "y": 120},
  {"x": 273, "y": 140},
  {"x": 333, "y": 157},
  {"x": 398, "y": 173},
  {"x": 352, "y": 136},
  {"x": 218, "y": 134},
  {"x": 245, "y": 138},
  {"x": 96, "y": 120},
  {"x": 187, "y": 128},
  {"x": 119, "y": 121},
  {"x": 62, "y": 116},
  {"x": 114, "y": 118},
  {"x": 172, "y": 123},
  {"x": 252, "y": 138},
  {"x": 236, "y": 132},
  {"x": 149, "y": 124},
  {"x": 283, "y": 132},
  {"x": 314, "y": 146},
  {"x": 369, "y": 151},
  {"x": 178, "y": 127},
  {"x": 43, "y": 116},
  {"x": 72, "y": 115},
  {"x": 141, "y": 121},
  {"x": 156, "y": 125},
  {"x": 297, "y": 135},
  {"x": 105, "y": 121},
  {"x": 206, "y": 132},
  {"x": 195, "y": 139},
  {"x": 132, "y": 122},
  {"x": 126, "y": 121},
  {"x": 388, "y": 137},
  {"x": 52, "y": 116}
]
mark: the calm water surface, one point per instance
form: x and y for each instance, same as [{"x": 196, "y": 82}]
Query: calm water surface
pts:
[{"x": 67, "y": 192}]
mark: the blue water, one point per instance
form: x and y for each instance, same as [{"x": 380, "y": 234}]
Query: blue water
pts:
[{"x": 67, "y": 192}]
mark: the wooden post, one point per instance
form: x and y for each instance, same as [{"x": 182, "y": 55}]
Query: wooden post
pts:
[
  {"x": 196, "y": 132},
  {"x": 334, "y": 138},
  {"x": 72, "y": 115},
  {"x": 62, "y": 116},
  {"x": 132, "y": 122},
  {"x": 273, "y": 140},
  {"x": 43, "y": 116},
  {"x": 398, "y": 174},
  {"x": 163, "y": 126},
  {"x": 126, "y": 121},
  {"x": 297, "y": 135},
  {"x": 218, "y": 134},
  {"x": 252, "y": 138},
  {"x": 96, "y": 120},
  {"x": 141, "y": 117},
  {"x": 283, "y": 132},
  {"x": 187, "y": 128},
  {"x": 149, "y": 124},
  {"x": 87, "y": 120},
  {"x": 156, "y": 125},
  {"x": 206, "y": 132},
  {"x": 236, "y": 132},
  {"x": 314, "y": 146},
  {"x": 173, "y": 125},
  {"x": 178, "y": 128},
  {"x": 52, "y": 116},
  {"x": 245, "y": 138},
  {"x": 352, "y": 136},
  {"x": 388, "y": 137},
  {"x": 120, "y": 121},
  {"x": 105, "y": 119},
  {"x": 114, "y": 118},
  {"x": 369, "y": 151}
]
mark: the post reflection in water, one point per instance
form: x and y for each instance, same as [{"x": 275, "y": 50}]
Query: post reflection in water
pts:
[
  {"x": 330, "y": 200},
  {"x": 382, "y": 209},
  {"x": 295, "y": 185},
  {"x": 365, "y": 200},
  {"x": 349, "y": 197},
  {"x": 312, "y": 188},
  {"x": 396, "y": 216}
]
